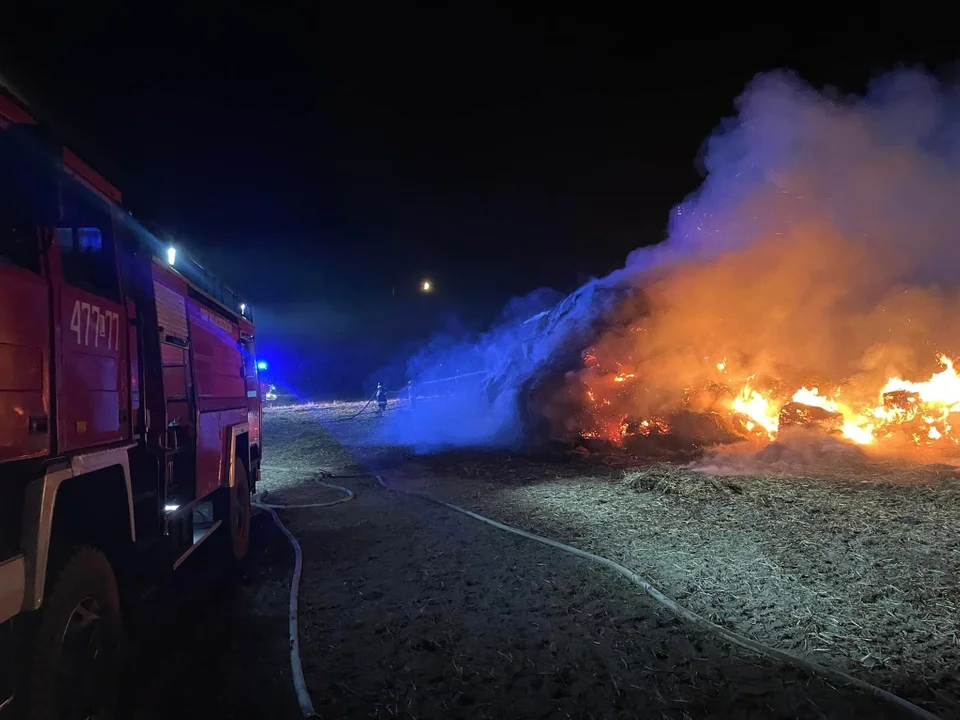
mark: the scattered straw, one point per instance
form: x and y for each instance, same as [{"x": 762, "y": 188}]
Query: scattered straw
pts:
[{"x": 856, "y": 571}]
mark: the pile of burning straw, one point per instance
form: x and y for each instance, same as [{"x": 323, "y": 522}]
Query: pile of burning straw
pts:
[{"x": 919, "y": 413}]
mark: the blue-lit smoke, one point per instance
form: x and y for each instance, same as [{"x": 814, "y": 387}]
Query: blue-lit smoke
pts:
[
  {"x": 489, "y": 410},
  {"x": 810, "y": 250}
]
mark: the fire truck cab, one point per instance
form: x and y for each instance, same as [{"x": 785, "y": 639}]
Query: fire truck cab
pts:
[{"x": 129, "y": 421}]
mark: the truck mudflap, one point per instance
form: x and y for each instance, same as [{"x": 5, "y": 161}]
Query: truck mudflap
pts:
[
  {"x": 8, "y": 668},
  {"x": 12, "y": 587}
]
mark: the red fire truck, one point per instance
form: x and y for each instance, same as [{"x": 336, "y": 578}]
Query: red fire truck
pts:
[{"x": 129, "y": 421}]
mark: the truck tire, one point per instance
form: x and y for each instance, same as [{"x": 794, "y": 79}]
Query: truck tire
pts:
[
  {"x": 75, "y": 670},
  {"x": 239, "y": 511}
]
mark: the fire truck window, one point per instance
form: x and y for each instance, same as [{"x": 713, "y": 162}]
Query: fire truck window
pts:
[
  {"x": 64, "y": 239},
  {"x": 18, "y": 248},
  {"x": 89, "y": 256},
  {"x": 18, "y": 235},
  {"x": 246, "y": 353},
  {"x": 89, "y": 239},
  {"x": 88, "y": 262}
]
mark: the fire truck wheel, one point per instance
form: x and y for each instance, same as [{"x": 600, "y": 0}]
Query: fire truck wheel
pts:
[
  {"x": 76, "y": 658},
  {"x": 240, "y": 512}
]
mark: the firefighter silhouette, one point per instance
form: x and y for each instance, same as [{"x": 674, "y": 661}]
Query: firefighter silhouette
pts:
[{"x": 381, "y": 398}]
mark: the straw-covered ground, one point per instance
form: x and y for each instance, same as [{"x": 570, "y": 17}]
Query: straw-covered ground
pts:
[{"x": 853, "y": 564}]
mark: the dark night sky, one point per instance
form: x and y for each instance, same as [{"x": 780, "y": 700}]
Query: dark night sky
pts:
[{"x": 318, "y": 157}]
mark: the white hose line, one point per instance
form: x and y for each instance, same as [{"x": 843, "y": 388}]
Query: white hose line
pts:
[
  {"x": 348, "y": 495},
  {"x": 299, "y": 684},
  {"x": 296, "y": 666},
  {"x": 689, "y": 615}
]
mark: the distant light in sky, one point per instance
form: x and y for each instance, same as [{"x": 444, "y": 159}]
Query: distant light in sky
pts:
[{"x": 426, "y": 286}]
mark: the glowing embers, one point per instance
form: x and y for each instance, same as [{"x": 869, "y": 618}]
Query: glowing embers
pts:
[{"x": 616, "y": 406}]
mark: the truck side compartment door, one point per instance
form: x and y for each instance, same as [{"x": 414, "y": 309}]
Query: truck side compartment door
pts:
[
  {"x": 220, "y": 388},
  {"x": 92, "y": 374}
]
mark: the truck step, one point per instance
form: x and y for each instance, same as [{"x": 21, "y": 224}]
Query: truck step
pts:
[
  {"x": 198, "y": 508},
  {"x": 201, "y": 532}
]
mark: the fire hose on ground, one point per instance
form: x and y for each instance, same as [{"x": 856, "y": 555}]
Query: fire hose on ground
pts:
[
  {"x": 296, "y": 666},
  {"x": 303, "y": 695},
  {"x": 687, "y": 614}
]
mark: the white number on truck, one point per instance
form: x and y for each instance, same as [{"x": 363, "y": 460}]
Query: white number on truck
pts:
[{"x": 105, "y": 324}]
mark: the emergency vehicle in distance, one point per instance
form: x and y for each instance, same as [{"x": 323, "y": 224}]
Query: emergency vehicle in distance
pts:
[{"x": 129, "y": 421}]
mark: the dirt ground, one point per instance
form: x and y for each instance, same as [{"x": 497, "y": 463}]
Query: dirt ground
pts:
[
  {"x": 411, "y": 610},
  {"x": 212, "y": 642},
  {"x": 856, "y": 576}
]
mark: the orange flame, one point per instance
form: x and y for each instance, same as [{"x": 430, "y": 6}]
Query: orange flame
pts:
[{"x": 920, "y": 411}]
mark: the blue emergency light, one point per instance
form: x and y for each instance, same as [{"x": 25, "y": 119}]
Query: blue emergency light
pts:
[{"x": 262, "y": 365}]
